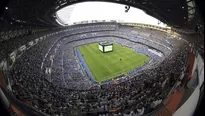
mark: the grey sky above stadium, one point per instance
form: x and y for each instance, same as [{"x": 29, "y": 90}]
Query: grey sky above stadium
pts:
[{"x": 104, "y": 11}]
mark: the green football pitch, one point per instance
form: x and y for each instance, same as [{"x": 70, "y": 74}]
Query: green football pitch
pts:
[{"x": 105, "y": 66}]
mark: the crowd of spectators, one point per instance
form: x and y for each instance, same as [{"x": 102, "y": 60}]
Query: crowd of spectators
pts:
[
  {"x": 62, "y": 89},
  {"x": 138, "y": 95}
]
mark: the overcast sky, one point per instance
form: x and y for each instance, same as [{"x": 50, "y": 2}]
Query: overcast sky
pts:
[{"x": 104, "y": 11}]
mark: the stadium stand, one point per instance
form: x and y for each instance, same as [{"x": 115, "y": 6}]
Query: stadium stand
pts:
[
  {"x": 55, "y": 93},
  {"x": 42, "y": 74}
]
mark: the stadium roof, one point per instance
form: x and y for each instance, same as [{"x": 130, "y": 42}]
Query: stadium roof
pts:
[{"x": 175, "y": 13}]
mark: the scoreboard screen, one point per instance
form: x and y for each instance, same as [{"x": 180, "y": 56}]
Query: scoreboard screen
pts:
[
  {"x": 100, "y": 48},
  {"x": 105, "y": 47},
  {"x": 108, "y": 48}
]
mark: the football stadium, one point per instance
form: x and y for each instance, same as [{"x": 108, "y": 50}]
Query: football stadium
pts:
[{"x": 101, "y": 58}]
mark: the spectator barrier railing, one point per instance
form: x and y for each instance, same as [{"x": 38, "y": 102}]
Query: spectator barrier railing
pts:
[{"x": 80, "y": 57}]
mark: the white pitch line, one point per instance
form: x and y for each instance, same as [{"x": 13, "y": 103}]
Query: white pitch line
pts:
[{"x": 108, "y": 68}]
